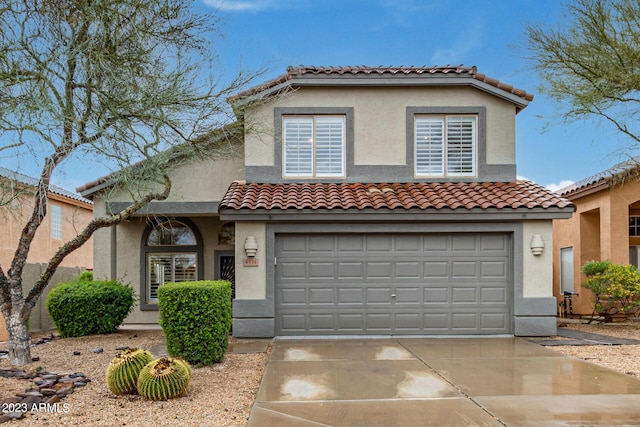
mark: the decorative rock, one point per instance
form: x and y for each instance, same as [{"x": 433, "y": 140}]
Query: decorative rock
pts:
[
  {"x": 15, "y": 415},
  {"x": 29, "y": 394},
  {"x": 98, "y": 350},
  {"x": 48, "y": 392},
  {"x": 79, "y": 384},
  {"x": 8, "y": 400},
  {"x": 53, "y": 399},
  {"x": 5, "y": 418},
  {"x": 63, "y": 392}
]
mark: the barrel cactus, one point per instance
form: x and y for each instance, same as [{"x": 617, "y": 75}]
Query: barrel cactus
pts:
[
  {"x": 123, "y": 371},
  {"x": 163, "y": 379}
]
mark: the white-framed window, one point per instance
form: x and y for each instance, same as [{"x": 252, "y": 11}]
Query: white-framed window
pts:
[
  {"x": 445, "y": 145},
  {"x": 56, "y": 222},
  {"x": 313, "y": 146},
  {"x": 566, "y": 269},
  {"x": 634, "y": 226},
  {"x": 169, "y": 267},
  {"x": 172, "y": 252}
]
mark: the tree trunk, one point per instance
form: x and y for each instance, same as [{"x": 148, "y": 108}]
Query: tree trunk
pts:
[{"x": 19, "y": 343}]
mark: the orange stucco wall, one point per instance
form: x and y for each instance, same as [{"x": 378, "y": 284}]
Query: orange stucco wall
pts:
[
  {"x": 598, "y": 230},
  {"x": 75, "y": 216}
]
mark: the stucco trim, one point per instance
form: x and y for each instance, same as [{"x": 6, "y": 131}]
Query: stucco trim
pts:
[
  {"x": 144, "y": 250},
  {"x": 275, "y": 173},
  {"x": 491, "y": 214},
  {"x": 168, "y": 208}
]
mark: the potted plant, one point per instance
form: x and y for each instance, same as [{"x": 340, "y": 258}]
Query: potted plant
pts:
[{"x": 616, "y": 289}]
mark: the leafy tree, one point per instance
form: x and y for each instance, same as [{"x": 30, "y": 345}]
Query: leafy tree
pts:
[
  {"x": 591, "y": 64},
  {"x": 128, "y": 83}
]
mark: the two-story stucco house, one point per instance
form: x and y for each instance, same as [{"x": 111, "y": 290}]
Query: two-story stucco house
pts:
[{"x": 364, "y": 201}]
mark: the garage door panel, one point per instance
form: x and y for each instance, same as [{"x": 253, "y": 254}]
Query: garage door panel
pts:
[
  {"x": 493, "y": 269},
  {"x": 292, "y": 244},
  {"x": 435, "y": 243},
  {"x": 436, "y": 295},
  {"x": 466, "y": 269},
  {"x": 464, "y": 322},
  {"x": 378, "y": 295},
  {"x": 321, "y": 244},
  {"x": 407, "y": 269},
  {"x": 350, "y": 244},
  {"x": 379, "y": 269},
  {"x": 494, "y": 243},
  {"x": 293, "y": 296},
  {"x": 354, "y": 295},
  {"x": 377, "y": 244},
  {"x": 464, "y": 295},
  {"x": 464, "y": 243},
  {"x": 378, "y": 322},
  {"x": 293, "y": 270},
  {"x": 408, "y": 243},
  {"x": 489, "y": 295},
  {"x": 321, "y": 270},
  {"x": 407, "y": 295},
  {"x": 393, "y": 284},
  {"x": 320, "y": 296},
  {"x": 351, "y": 322},
  {"x": 494, "y": 321},
  {"x": 324, "y": 322}
]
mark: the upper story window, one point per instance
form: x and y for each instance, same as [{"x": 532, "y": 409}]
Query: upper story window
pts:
[
  {"x": 56, "y": 222},
  {"x": 313, "y": 146},
  {"x": 445, "y": 145},
  {"x": 634, "y": 226}
]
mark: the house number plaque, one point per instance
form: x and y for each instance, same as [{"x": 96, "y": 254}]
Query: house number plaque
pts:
[{"x": 250, "y": 262}]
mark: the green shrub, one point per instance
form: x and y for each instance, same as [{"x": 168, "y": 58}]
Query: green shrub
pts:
[
  {"x": 81, "y": 307},
  {"x": 86, "y": 276},
  {"x": 616, "y": 288},
  {"x": 196, "y": 318}
]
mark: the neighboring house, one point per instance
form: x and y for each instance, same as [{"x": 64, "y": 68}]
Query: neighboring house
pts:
[
  {"x": 67, "y": 214},
  {"x": 606, "y": 226},
  {"x": 364, "y": 201}
]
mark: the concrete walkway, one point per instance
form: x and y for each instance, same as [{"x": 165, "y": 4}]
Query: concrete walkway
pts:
[{"x": 438, "y": 382}]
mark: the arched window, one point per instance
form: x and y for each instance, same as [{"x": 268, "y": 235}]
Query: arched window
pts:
[{"x": 172, "y": 252}]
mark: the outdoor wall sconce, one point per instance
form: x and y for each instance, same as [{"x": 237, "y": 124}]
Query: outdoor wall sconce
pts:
[
  {"x": 536, "y": 245},
  {"x": 250, "y": 246}
]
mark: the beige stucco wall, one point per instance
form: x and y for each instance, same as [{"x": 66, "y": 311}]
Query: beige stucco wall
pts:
[
  {"x": 380, "y": 120},
  {"x": 200, "y": 181},
  {"x": 598, "y": 230},
  {"x": 537, "y": 269},
  {"x": 251, "y": 281}
]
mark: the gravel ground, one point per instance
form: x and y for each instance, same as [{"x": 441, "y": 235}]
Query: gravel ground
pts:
[
  {"x": 622, "y": 358},
  {"x": 219, "y": 395}
]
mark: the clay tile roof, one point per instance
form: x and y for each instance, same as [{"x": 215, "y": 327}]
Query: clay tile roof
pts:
[
  {"x": 242, "y": 196},
  {"x": 303, "y": 70},
  {"x": 629, "y": 169},
  {"x": 33, "y": 182}
]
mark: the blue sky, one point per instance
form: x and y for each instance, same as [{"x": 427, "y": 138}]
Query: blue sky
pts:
[{"x": 485, "y": 33}]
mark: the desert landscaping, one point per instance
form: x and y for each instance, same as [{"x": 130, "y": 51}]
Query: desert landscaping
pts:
[{"x": 219, "y": 395}]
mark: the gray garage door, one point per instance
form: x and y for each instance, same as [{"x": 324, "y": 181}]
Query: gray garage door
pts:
[{"x": 351, "y": 284}]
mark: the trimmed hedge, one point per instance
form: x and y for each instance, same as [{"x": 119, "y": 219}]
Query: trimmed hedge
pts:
[
  {"x": 84, "y": 307},
  {"x": 196, "y": 319}
]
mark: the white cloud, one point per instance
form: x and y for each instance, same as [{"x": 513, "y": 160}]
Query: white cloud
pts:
[
  {"x": 250, "y": 5},
  {"x": 561, "y": 184}
]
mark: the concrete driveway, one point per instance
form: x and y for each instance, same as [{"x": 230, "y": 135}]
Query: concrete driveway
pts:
[{"x": 438, "y": 382}]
